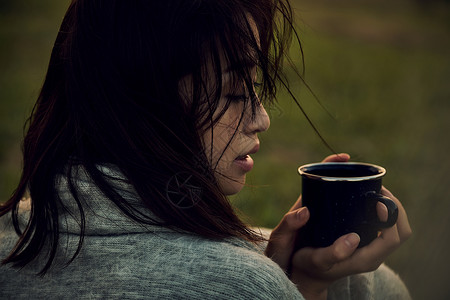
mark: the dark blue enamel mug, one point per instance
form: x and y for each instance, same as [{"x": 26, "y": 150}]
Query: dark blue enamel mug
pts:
[{"x": 342, "y": 198}]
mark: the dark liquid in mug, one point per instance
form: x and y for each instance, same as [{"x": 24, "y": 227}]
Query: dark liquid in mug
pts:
[{"x": 345, "y": 172}]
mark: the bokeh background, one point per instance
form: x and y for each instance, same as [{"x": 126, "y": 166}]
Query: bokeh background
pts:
[{"x": 381, "y": 68}]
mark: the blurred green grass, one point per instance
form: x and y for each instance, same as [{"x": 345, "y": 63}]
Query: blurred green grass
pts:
[
  {"x": 382, "y": 70},
  {"x": 27, "y": 32}
]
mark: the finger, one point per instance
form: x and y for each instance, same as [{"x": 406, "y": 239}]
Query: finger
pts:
[
  {"x": 387, "y": 241},
  {"x": 282, "y": 240},
  {"x": 403, "y": 226},
  {"x": 370, "y": 257},
  {"x": 318, "y": 261},
  {"x": 367, "y": 258},
  {"x": 292, "y": 221},
  {"x": 362, "y": 260},
  {"x": 341, "y": 157},
  {"x": 382, "y": 212}
]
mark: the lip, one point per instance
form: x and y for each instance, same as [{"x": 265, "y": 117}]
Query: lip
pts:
[
  {"x": 251, "y": 151},
  {"x": 254, "y": 149},
  {"x": 244, "y": 161}
]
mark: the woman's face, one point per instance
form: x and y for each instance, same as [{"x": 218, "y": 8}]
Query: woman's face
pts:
[{"x": 234, "y": 137}]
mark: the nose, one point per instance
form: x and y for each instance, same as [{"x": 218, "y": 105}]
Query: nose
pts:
[{"x": 259, "y": 122}]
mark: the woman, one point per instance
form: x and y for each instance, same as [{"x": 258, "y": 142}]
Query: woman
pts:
[{"x": 145, "y": 123}]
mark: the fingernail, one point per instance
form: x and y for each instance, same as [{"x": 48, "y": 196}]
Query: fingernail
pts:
[
  {"x": 344, "y": 156},
  {"x": 352, "y": 240}
]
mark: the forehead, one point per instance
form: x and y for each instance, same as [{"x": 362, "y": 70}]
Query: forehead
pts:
[
  {"x": 254, "y": 30},
  {"x": 231, "y": 56},
  {"x": 247, "y": 57}
]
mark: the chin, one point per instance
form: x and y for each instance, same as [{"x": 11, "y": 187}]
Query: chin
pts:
[{"x": 231, "y": 186}]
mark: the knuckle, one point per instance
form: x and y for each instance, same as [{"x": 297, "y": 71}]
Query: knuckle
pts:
[
  {"x": 285, "y": 220},
  {"x": 406, "y": 234},
  {"x": 392, "y": 242},
  {"x": 315, "y": 260},
  {"x": 320, "y": 264},
  {"x": 337, "y": 255},
  {"x": 286, "y": 216}
]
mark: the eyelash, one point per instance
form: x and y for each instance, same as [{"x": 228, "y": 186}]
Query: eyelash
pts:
[{"x": 243, "y": 97}]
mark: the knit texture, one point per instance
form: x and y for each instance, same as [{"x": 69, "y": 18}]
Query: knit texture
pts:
[{"x": 121, "y": 259}]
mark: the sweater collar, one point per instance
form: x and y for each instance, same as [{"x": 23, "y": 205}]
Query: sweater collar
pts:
[{"x": 101, "y": 215}]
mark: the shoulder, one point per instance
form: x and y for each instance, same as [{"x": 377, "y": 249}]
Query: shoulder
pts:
[
  {"x": 227, "y": 270},
  {"x": 389, "y": 285},
  {"x": 159, "y": 265},
  {"x": 169, "y": 265},
  {"x": 8, "y": 235},
  {"x": 253, "y": 272},
  {"x": 381, "y": 284}
]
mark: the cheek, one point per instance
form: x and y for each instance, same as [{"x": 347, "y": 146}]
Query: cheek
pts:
[
  {"x": 215, "y": 143},
  {"x": 219, "y": 141},
  {"x": 222, "y": 148}
]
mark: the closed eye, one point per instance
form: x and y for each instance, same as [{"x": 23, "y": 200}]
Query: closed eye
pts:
[
  {"x": 242, "y": 97},
  {"x": 236, "y": 98}
]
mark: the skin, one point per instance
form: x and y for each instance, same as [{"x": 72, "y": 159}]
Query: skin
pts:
[
  {"x": 229, "y": 143},
  {"x": 231, "y": 166},
  {"x": 235, "y": 136}
]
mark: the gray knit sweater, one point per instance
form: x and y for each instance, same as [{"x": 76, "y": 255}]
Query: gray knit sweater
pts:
[{"x": 121, "y": 259}]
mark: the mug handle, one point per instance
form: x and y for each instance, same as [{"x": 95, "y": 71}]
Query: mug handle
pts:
[{"x": 391, "y": 207}]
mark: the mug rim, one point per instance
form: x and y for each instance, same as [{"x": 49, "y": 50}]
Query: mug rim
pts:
[{"x": 302, "y": 170}]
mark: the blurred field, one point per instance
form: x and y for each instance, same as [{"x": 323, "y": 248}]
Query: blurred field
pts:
[{"x": 382, "y": 70}]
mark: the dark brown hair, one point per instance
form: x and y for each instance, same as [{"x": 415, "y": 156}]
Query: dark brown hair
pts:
[{"x": 111, "y": 97}]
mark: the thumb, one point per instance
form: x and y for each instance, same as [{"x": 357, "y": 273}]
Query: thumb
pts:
[
  {"x": 341, "y": 157},
  {"x": 292, "y": 222},
  {"x": 282, "y": 240},
  {"x": 316, "y": 261}
]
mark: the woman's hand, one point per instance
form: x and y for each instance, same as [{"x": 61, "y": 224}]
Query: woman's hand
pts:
[
  {"x": 282, "y": 240},
  {"x": 314, "y": 269}
]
